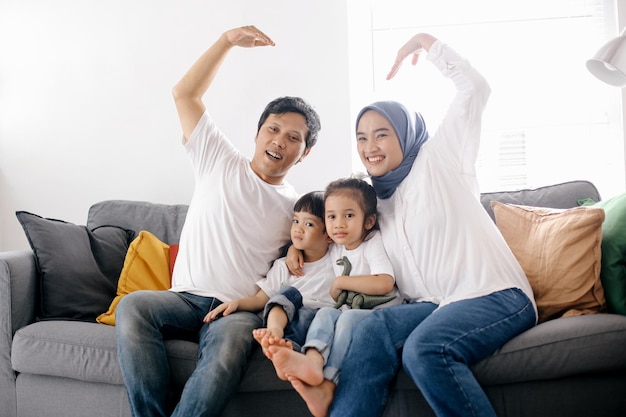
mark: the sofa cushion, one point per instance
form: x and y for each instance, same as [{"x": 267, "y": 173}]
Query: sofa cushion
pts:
[
  {"x": 552, "y": 350},
  {"x": 613, "y": 270},
  {"x": 146, "y": 267},
  {"x": 78, "y": 267},
  {"x": 559, "y": 250},
  {"x": 85, "y": 351},
  {"x": 558, "y": 348}
]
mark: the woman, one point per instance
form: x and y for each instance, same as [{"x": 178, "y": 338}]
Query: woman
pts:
[{"x": 466, "y": 293}]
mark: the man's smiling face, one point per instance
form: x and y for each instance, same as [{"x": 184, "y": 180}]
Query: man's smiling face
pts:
[{"x": 280, "y": 144}]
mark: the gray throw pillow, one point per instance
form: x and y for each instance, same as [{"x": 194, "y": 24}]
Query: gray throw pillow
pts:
[{"x": 78, "y": 267}]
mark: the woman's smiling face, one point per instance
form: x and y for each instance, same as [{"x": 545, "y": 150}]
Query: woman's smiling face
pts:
[{"x": 377, "y": 144}]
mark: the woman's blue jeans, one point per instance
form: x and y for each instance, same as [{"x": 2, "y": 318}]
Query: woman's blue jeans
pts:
[
  {"x": 437, "y": 347},
  {"x": 144, "y": 319}
]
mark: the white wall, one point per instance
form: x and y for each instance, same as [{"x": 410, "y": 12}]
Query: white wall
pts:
[{"x": 85, "y": 96}]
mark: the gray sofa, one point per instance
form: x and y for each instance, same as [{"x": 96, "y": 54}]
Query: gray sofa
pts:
[{"x": 564, "y": 367}]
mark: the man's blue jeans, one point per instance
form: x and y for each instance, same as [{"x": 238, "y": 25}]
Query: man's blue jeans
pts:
[
  {"x": 145, "y": 318},
  {"x": 438, "y": 347}
]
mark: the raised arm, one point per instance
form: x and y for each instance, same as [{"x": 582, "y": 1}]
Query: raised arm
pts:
[
  {"x": 188, "y": 92},
  {"x": 416, "y": 45},
  {"x": 458, "y": 134}
]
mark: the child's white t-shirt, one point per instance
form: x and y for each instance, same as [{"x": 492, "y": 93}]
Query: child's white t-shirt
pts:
[
  {"x": 369, "y": 258},
  {"x": 314, "y": 285}
]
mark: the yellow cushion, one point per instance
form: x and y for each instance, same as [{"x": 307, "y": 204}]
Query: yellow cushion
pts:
[
  {"x": 560, "y": 253},
  {"x": 146, "y": 267}
]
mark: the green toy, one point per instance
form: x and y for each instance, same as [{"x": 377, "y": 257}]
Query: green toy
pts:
[{"x": 358, "y": 300}]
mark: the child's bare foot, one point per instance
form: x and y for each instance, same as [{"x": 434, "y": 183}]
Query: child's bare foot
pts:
[
  {"x": 262, "y": 336},
  {"x": 279, "y": 341},
  {"x": 305, "y": 367},
  {"x": 317, "y": 398},
  {"x": 267, "y": 337}
]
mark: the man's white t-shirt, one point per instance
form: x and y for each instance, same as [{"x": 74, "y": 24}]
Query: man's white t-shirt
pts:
[
  {"x": 314, "y": 286},
  {"x": 236, "y": 223}
]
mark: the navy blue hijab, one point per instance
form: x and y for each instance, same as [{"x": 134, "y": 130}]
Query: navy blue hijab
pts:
[{"x": 411, "y": 131}]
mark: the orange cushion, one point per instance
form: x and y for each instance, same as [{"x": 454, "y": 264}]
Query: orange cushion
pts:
[
  {"x": 559, "y": 250},
  {"x": 146, "y": 267}
]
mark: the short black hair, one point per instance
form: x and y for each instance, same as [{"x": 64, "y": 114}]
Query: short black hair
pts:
[
  {"x": 312, "y": 202},
  {"x": 298, "y": 105}
]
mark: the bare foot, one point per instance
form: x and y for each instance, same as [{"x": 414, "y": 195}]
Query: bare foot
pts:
[
  {"x": 278, "y": 341},
  {"x": 305, "y": 367},
  {"x": 317, "y": 398},
  {"x": 267, "y": 337}
]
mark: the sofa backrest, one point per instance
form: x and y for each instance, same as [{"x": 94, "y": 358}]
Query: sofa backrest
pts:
[
  {"x": 163, "y": 220},
  {"x": 560, "y": 196},
  {"x": 166, "y": 221}
]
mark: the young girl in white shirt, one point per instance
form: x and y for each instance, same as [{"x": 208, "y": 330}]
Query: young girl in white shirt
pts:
[{"x": 351, "y": 222}]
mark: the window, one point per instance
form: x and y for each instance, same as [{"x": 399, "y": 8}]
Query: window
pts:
[{"x": 548, "y": 119}]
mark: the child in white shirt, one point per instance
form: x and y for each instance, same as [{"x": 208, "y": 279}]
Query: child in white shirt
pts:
[
  {"x": 350, "y": 207},
  {"x": 290, "y": 302}
]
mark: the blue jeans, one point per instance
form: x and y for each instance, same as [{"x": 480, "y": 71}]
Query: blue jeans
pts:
[
  {"x": 438, "y": 348},
  {"x": 145, "y": 318},
  {"x": 299, "y": 317},
  {"x": 330, "y": 334}
]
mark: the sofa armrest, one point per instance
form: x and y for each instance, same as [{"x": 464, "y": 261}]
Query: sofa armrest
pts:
[
  {"x": 18, "y": 297},
  {"x": 18, "y": 290}
]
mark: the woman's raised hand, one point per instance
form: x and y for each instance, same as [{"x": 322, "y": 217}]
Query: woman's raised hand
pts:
[{"x": 415, "y": 46}]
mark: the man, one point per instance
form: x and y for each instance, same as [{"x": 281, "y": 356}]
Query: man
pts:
[{"x": 237, "y": 221}]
